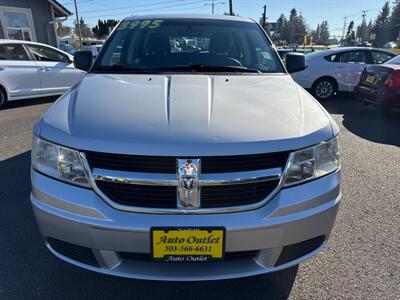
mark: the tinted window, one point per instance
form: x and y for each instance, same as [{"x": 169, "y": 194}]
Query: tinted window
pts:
[
  {"x": 353, "y": 57},
  {"x": 13, "y": 52},
  {"x": 379, "y": 57},
  {"x": 46, "y": 54},
  {"x": 169, "y": 43}
]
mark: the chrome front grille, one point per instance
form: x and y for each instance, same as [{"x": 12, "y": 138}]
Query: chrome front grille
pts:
[
  {"x": 151, "y": 196},
  {"x": 141, "y": 186}
]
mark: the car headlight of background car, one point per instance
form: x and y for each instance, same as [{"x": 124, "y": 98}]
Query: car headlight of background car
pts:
[
  {"x": 58, "y": 162},
  {"x": 313, "y": 162}
]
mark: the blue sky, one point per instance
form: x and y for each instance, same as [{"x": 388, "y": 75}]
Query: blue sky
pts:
[{"x": 314, "y": 11}]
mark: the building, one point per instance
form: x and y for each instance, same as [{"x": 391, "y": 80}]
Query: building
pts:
[{"x": 32, "y": 20}]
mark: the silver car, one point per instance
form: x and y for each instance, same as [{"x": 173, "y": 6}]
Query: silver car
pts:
[{"x": 207, "y": 163}]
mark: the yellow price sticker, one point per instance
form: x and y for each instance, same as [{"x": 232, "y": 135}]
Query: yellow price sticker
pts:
[{"x": 140, "y": 24}]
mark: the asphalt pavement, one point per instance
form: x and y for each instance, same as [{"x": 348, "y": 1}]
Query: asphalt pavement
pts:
[{"x": 362, "y": 260}]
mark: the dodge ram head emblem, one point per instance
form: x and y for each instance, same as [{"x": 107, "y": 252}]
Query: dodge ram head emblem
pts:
[{"x": 188, "y": 190}]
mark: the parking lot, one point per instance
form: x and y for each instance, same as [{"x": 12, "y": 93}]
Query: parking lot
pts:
[{"x": 361, "y": 261}]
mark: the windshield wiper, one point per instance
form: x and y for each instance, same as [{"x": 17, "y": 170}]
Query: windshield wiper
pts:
[
  {"x": 119, "y": 68},
  {"x": 183, "y": 68},
  {"x": 205, "y": 68}
]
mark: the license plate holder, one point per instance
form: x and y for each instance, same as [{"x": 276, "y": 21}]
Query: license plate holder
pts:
[
  {"x": 187, "y": 244},
  {"x": 370, "y": 79}
]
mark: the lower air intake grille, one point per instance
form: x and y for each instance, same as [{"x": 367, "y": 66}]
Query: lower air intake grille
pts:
[
  {"x": 295, "y": 251},
  {"x": 74, "y": 252}
]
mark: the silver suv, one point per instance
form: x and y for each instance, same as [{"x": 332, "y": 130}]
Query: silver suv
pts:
[{"x": 187, "y": 152}]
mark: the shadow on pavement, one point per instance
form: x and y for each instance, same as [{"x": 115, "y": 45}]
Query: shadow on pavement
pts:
[
  {"x": 366, "y": 120},
  {"x": 28, "y": 102},
  {"x": 29, "y": 271}
]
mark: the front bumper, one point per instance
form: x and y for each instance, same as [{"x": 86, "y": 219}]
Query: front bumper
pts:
[{"x": 80, "y": 218}]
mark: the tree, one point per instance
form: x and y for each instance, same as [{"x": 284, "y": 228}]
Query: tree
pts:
[
  {"x": 350, "y": 35},
  {"x": 103, "y": 28},
  {"x": 395, "y": 21},
  {"x": 281, "y": 23},
  {"x": 295, "y": 28},
  {"x": 63, "y": 30},
  {"x": 324, "y": 33},
  {"x": 85, "y": 30},
  {"x": 381, "y": 26},
  {"x": 361, "y": 32}
]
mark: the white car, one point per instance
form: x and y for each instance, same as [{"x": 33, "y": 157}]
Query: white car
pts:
[
  {"x": 95, "y": 50},
  {"x": 337, "y": 70},
  {"x": 29, "y": 70}
]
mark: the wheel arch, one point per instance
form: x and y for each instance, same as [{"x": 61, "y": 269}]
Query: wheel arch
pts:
[
  {"x": 4, "y": 90},
  {"x": 326, "y": 77}
]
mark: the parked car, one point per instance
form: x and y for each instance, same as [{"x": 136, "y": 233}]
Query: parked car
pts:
[
  {"x": 95, "y": 50},
  {"x": 390, "y": 45},
  {"x": 338, "y": 69},
  {"x": 284, "y": 51},
  {"x": 67, "y": 48},
  {"x": 29, "y": 70},
  {"x": 215, "y": 161},
  {"x": 380, "y": 84},
  {"x": 364, "y": 44}
]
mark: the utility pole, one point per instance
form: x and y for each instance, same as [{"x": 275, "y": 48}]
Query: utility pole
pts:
[
  {"x": 78, "y": 24},
  {"x": 264, "y": 16},
  {"x": 344, "y": 27},
  {"x": 230, "y": 8},
  {"x": 213, "y": 4},
  {"x": 363, "y": 28},
  {"x": 364, "y": 14}
]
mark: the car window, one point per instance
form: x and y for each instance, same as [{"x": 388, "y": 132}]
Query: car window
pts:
[
  {"x": 332, "y": 57},
  {"x": 169, "y": 44},
  {"x": 42, "y": 53},
  {"x": 352, "y": 57},
  {"x": 380, "y": 57},
  {"x": 13, "y": 52},
  {"x": 394, "y": 61}
]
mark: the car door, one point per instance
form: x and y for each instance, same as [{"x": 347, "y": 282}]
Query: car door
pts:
[
  {"x": 18, "y": 72},
  {"x": 57, "y": 73},
  {"x": 348, "y": 67}
]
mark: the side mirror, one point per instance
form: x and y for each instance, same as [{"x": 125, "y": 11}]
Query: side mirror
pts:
[
  {"x": 295, "y": 62},
  {"x": 83, "y": 59}
]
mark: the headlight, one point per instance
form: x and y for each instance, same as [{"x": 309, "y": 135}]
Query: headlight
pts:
[
  {"x": 313, "y": 162},
  {"x": 58, "y": 162}
]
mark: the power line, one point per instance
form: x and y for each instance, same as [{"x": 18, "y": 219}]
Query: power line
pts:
[
  {"x": 148, "y": 9},
  {"x": 213, "y": 4},
  {"x": 129, "y": 7}
]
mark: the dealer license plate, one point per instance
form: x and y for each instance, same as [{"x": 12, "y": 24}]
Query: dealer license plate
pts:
[
  {"x": 370, "y": 79},
  {"x": 188, "y": 244}
]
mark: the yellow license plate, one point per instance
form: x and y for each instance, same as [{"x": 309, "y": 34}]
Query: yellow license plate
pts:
[
  {"x": 188, "y": 244},
  {"x": 370, "y": 79}
]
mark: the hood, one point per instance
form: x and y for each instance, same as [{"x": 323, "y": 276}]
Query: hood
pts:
[{"x": 187, "y": 115}]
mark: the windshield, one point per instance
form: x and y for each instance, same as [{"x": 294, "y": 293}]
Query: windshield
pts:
[
  {"x": 196, "y": 45},
  {"x": 394, "y": 61}
]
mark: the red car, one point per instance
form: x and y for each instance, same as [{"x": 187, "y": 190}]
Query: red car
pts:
[{"x": 380, "y": 84}]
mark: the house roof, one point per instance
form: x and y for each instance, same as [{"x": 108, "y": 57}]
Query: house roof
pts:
[{"x": 59, "y": 9}]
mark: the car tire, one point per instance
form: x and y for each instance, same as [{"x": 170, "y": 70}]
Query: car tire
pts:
[
  {"x": 324, "y": 88},
  {"x": 3, "y": 98}
]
